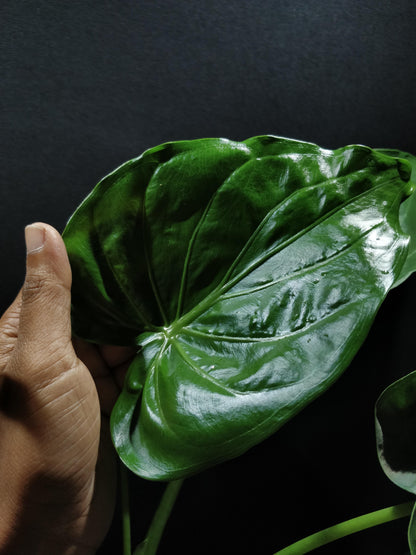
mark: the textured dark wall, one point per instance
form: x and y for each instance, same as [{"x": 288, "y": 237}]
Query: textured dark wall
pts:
[{"x": 88, "y": 84}]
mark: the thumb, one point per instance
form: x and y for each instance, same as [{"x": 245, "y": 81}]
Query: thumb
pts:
[{"x": 45, "y": 325}]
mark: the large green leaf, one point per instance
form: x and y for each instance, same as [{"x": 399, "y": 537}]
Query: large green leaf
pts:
[{"x": 247, "y": 274}]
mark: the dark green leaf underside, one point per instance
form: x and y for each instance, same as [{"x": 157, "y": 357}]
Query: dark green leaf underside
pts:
[{"x": 396, "y": 432}]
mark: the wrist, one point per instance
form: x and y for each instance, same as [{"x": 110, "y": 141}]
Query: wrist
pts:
[
  {"x": 24, "y": 538},
  {"x": 46, "y": 519},
  {"x": 22, "y": 542}
]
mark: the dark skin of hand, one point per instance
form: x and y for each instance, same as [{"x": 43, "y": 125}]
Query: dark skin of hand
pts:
[{"x": 57, "y": 465}]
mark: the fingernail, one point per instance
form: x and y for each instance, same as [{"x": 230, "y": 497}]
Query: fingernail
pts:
[{"x": 35, "y": 238}]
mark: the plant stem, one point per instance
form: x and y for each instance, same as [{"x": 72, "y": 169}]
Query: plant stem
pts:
[
  {"x": 346, "y": 528},
  {"x": 150, "y": 544},
  {"x": 125, "y": 508}
]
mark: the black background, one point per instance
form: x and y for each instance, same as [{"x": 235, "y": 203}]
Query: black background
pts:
[{"x": 89, "y": 84}]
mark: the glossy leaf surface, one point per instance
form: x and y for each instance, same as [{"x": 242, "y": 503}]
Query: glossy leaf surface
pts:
[
  {"x": 407, "y": 217},
  {"x": 248, "y": 273}
]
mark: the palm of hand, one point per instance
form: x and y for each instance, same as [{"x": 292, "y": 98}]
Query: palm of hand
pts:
[{"x": 54, "y": 412}]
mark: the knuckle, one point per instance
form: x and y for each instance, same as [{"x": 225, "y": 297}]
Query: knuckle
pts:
[
  {"x": 36, "y": 287},
  {"x": 44, "y": 364}
]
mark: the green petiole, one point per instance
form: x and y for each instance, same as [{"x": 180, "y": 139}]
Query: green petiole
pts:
[
  {"x": 125, "y": 508},
  {"x": 150, "y": 544},
  {"x": 346, "y": 528}
]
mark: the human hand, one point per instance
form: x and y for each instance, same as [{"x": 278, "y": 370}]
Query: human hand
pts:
[{"x": 57, "y": 466}]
